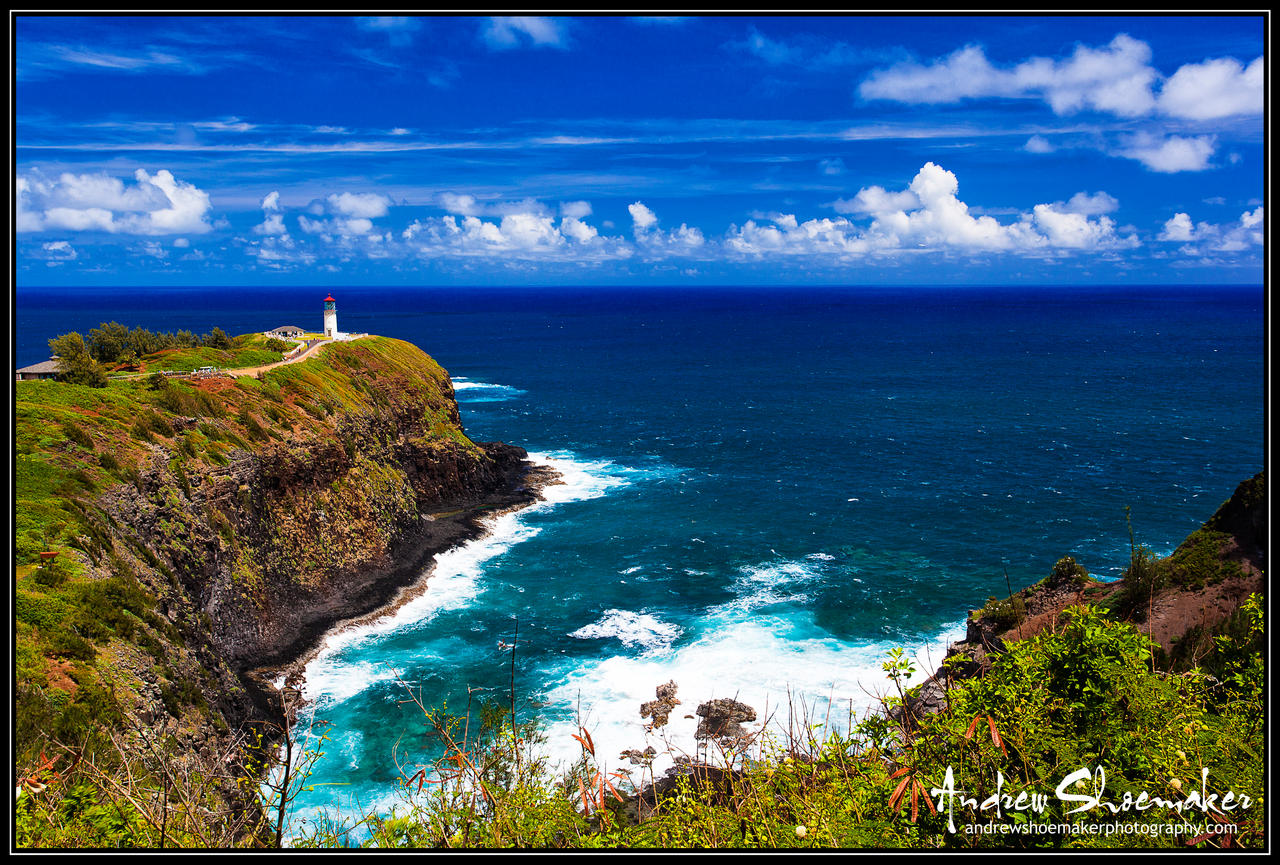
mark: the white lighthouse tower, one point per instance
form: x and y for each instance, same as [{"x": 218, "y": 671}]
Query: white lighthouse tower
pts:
[{"x": 330, "y": 318}]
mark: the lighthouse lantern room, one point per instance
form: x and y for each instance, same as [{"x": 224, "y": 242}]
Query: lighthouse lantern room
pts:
[{"x": 330, "y": 318}]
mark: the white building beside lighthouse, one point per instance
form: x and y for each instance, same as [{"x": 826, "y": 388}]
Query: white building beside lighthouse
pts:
[{"x": 330, "y": 317}]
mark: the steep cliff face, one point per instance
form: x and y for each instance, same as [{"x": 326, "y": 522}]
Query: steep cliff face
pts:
[
  {"x": 244, "y": 517},
  {"x": 308, "y": 526}
]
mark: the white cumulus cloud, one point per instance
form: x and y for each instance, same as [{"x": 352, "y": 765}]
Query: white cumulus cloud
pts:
[
  {"x": 1172, "y": 154},
  {"x": 1116, "y": 78},
  {"x": 1090, "y": 205},
  {"x": 1038, "y": 144},
  {"x": 364, "y": 205},
  {"x": 930, "y": 216},
  {"x": 272, "y": 219},
  {"x": 1214, "y": 89},
  {"x": 642, "y": 216},
  {"x": 522, "y": 231},
  {"x": 1244, "y": 234},
  {"x": 152, "y": 205},
  {"x": 1178, "y": 228},
  {"x": 348, "y": 216},
  {"x": 59, "y": 250}
]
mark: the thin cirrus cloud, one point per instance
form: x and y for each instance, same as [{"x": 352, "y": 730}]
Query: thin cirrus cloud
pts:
[
  {"x": 503, "y": 33},
  {"x": 43, "y": 60},
  {"x": 236, "y": 135}
]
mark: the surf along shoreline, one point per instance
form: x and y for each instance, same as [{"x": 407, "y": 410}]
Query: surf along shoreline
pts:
[{"x": 386, "y": 592}]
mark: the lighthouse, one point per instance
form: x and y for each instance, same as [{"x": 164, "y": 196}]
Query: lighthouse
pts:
[{"x": 330, "y": 317}]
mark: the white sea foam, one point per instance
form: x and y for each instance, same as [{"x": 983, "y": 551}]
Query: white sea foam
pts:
[
  {"x": 775, "y": 665},
  {"x": 631, "y": 629},
  {"x": 778, "y": 662},
  {"x": 456, "y": 580},
  {"x": 769, "y": 583},
  {"x": 483, "y": 391},
  {"x": 333, "y": 676}
]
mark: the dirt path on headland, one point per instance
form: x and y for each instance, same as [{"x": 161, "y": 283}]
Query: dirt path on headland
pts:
[
  {"x": 311, "y": 352},
  {"x": 255, "y": 370},
  {"x": 250, "y": 370}
]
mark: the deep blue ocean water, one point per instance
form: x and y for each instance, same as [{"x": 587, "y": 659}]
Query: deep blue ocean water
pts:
[{"x": 765, "y": 488}]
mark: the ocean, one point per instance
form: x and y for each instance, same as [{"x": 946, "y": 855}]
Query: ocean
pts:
[{"x": 764, "y": 489}]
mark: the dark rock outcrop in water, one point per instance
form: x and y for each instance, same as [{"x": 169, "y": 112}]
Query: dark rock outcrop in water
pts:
[
  {"x": 660, "y": 709},
  {"x": 722, "y": 719}
]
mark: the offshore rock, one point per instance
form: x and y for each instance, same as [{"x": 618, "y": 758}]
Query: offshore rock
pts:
[
  {"x": 660, "y": 709},
  {"x": 721, "y": 719}
]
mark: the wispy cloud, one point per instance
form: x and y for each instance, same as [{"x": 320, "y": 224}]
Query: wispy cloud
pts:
[
  {"x": 42, "y": 60},
  {"x": 506, "y": 32},
  {"x": 809, "y": 52},
  {"x": 1116, "y": 78}
]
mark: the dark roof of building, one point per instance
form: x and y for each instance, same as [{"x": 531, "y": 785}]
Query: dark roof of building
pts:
[
  {"x": 287, "y": 327},
  {"x": 50, "y": 365}
]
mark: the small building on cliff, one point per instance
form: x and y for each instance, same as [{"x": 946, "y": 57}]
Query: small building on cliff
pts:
[{"x": 45, "y": 369}]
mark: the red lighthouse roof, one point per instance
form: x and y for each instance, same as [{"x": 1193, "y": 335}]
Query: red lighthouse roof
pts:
[{"x": 329, "y": 299}]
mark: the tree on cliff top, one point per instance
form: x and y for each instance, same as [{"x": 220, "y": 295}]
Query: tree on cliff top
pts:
[{"x": 75, "y": 364}]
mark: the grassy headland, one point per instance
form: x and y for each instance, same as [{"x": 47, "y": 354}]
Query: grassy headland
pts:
[{"x": 172, "y": 533}]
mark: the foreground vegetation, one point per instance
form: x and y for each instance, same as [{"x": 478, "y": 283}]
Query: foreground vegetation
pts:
[{"x": 1081, "y": 697}]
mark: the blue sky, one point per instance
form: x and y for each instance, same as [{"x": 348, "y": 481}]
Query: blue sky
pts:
[{"x": 613, "y": 150}]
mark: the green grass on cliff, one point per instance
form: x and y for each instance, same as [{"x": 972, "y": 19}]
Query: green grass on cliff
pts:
[
  {"x": 170, "y": 444},
  {"x": 247, "y": 350}
]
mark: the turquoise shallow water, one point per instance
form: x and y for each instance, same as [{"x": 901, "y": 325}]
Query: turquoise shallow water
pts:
[{"x": 765, "y": 489}]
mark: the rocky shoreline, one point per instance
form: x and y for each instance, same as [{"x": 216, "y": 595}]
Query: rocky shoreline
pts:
[{"x": 386, "y": 590}]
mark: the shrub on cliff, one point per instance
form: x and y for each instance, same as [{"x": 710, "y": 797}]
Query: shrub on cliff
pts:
[
  {"x": 1067, "y": 570},
  {"x": 1006, "y": 614},
  {"x": 75, "y": 364}
]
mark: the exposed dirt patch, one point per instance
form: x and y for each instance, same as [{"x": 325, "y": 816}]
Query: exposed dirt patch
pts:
[{"x": 57, "y": 672}]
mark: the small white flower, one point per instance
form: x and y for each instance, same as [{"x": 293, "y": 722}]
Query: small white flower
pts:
[
  {"x": 801, "y": 831},
  {"x": 1175, "y": 783}
]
